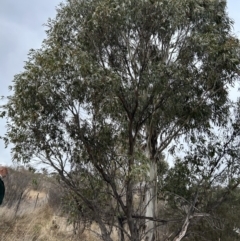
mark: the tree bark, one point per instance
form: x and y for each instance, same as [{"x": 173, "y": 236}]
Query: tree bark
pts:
[
  {"x": 183, "y": 230},
  {"x": 151, "y": 201},
  {"x": 186, "y": 223}
]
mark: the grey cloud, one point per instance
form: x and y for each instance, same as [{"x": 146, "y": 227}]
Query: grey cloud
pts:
[{"x": 29, "y": 13}]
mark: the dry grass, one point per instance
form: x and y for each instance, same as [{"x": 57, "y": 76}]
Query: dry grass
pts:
[
  {"x": 40, "y": 225},
  {"x": 29, "y": 212}
]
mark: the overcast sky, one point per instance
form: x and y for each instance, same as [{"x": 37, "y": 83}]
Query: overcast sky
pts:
[{"x": 21, "y": 28}]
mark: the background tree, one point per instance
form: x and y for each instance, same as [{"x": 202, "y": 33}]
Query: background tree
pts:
[
  {"x": 113, "y": 85},
  {"x": 201, "y": 185}
]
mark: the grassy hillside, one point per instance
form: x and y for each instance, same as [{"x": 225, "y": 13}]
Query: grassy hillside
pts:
[{"x": 32, "y": 210}]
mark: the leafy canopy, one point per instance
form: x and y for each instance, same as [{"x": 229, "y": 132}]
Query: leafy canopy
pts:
[{"x": 114, "y": 77}]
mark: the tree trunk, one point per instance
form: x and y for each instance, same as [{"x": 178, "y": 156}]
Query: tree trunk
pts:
[
  {"x": 104, "y": 232},
  {"x": 151, "y": 199},
  {"x": 151, "y": 183},
  {"x": 186, "y": 223},
  {"x": 183, "y": 230},
  {"x": 121, "y": 227}
]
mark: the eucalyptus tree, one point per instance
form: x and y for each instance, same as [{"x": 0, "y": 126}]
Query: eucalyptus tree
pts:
[{"x": 115, "y": 82}]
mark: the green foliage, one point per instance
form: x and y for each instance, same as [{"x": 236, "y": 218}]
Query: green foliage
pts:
[
  {"x": 204, "y": 183},
  {"x": 178, "y": 180},
  {"x": 114, "y": 83},
  {"x": 123, "y": 59},
  {"x": 35, "y": 184},
  {"x": 223, "y": 224}
]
